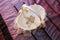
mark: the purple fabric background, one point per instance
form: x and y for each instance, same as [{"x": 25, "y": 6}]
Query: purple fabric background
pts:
[{"x": 9, "y": 14}]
